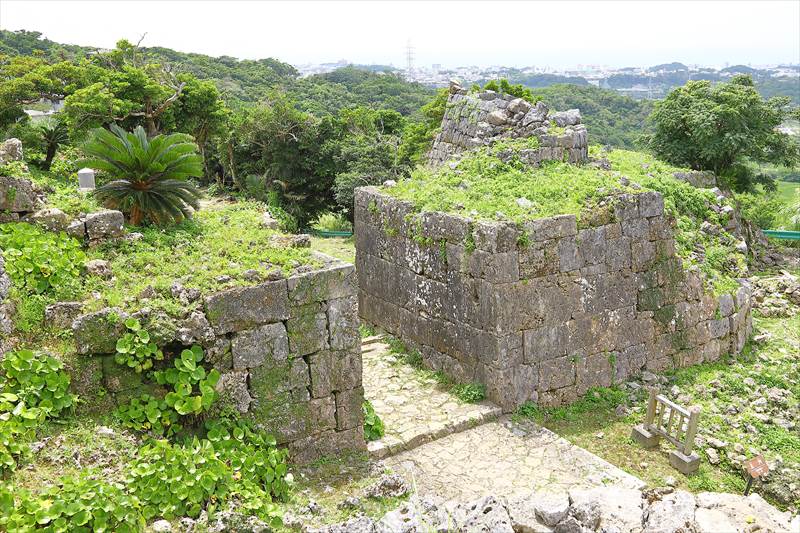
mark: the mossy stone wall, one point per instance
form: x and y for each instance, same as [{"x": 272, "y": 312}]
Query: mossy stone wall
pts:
[
  {"x": 542, "y": 310},
  {"x": 288, "y": 352}
]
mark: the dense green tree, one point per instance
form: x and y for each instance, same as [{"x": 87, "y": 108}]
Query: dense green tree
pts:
[
  {"x": 350, "y": 86},
  {"x": 278, "y": 151},
  {"x": 418, "y": 135},
  {"x": 611, "y": 118},
  {"x": 721, "y": 128},
  {"x": 367, "y": 152}
]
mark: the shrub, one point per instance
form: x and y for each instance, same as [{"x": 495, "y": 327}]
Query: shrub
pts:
[
  {"x": 762, "y": 209},
  {"x": 233, "y": 462},
  {"x": 74, "y": 503},
  {"x": 135, "y": 350},
  {"x": 39, "y": 261},
  {"x": 149, "y": 175},
  {"x": 33, "y": 387},
  {"x": 373, "y": 425},
  {"x": 192, "y": 394}
]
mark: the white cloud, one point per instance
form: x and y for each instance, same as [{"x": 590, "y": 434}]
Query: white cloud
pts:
[{"x": 616, "y": 33}]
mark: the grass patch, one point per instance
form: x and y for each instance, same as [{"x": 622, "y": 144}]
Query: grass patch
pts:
[
  {"x": 484, "y": 187},
  {"x": 223, "y": 241},
  {"x": 593, "y": 422},
  {"x": 469, "y": 392}
]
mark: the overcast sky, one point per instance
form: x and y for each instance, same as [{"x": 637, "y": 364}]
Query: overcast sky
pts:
[{"x": 556, "y": 34}]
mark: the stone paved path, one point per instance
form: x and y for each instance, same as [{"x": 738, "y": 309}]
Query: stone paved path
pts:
[
  {"x": 413, "y": 409},
  {"x": 504, "y": 458},
  {"x": 457, "y": 451}
]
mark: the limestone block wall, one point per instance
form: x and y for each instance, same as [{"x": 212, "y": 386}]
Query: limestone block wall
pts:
[
  {"x": 479, "y": 119},
  {"x": 288, "y": 351},
  {"x": 542, "y": 310}
]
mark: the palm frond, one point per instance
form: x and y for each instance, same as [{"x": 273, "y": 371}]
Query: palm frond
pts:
[{"x": 149, "y": 175}]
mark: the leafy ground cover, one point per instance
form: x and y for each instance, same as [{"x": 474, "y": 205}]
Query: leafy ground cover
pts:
[{"x": 749, "y": 406}]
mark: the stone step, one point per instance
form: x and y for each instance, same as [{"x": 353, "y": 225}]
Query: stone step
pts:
[
  {"x": 370, "y": 341},
  {"x": 414, "y": 408},
  {"x": 391, "y": 445}
]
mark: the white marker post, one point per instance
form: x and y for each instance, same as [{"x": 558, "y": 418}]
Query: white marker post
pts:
[{"x": 85, "y": 179}]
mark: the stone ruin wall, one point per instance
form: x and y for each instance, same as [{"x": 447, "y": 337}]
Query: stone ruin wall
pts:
[
  {"x": 288, "y": 351},
  {"x": 544, "y": 321},
  {"x": 478, "y": 119}
]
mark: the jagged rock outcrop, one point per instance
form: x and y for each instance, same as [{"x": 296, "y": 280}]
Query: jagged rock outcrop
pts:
[
  {"x": 479, "y": 119},
  {"x": 604, "y": 509}
]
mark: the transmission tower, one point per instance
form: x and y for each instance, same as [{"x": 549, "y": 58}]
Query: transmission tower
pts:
[{"x": 409, "y": 59}]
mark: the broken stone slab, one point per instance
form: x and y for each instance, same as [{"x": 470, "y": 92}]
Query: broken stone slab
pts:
[
  {"x": 243, "y": 308},
  {"x": 726, "y": 512},
  {"x": 232, "y": 391},
  {"x": 108, "y": 224},
  {"x": 97, "y": 333},
  {"x": 60, "y": 315},
  {"x": 620, "y": 509},
  {"x": 674, "y": 513},
  {"x": 195, "y": 329},
  {"x": 485, "y": 514},
  {"x": 571, "y": 117},
  {"x": 50, "y": 219},
  {"x": 99, "y": 267},
  {"x": 77, "y": 229}
]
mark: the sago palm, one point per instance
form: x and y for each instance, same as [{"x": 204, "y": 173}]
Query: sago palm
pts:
[{"x": 148, "y": 175}]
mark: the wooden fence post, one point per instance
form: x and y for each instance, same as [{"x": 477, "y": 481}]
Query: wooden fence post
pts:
[
  {"x": 651, "y": 407},
  {"x": 691, "y": 429}
]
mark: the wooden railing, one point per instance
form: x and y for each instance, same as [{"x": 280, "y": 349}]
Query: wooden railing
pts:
[{"x": 671, "y": 421}]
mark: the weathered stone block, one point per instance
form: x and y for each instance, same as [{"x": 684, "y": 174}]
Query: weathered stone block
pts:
[
  {"x": 308, "y": 331},
  {"x": 336, "y": 281},
  {"x": 719, "y": 328},
  {"x": 97, "y": 333},
  {"x": 551, "y": 228},
  {"x": 348, "y": 409},
  {"x": 322, "y": 414},
  {"x": 232, "y": 392},
  {"x": 60, "y": 315},
  {"x": 569, "y": 256},
  {"x": 636, "y": 228},
  {"x": 343, "y": 324},
  {"x": 243, "y": 308},
  {"x": 594, "y": 371},
  {"x": 643, "y": 253},
  {"x": 17, "y": 195},
  {"x": 546, "y": 342},
  {"x": 651, "y": 204},
  {"x": 334, "y": 372},
  {"x": 252, "y": 348},
  {"x": 726, "y": 305},
  {"x": 104, "y": 225},
  {"x": 495, "y": 236},
  {"x": 50, "y": 219},
  {"x": 556, "y": 373}
]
